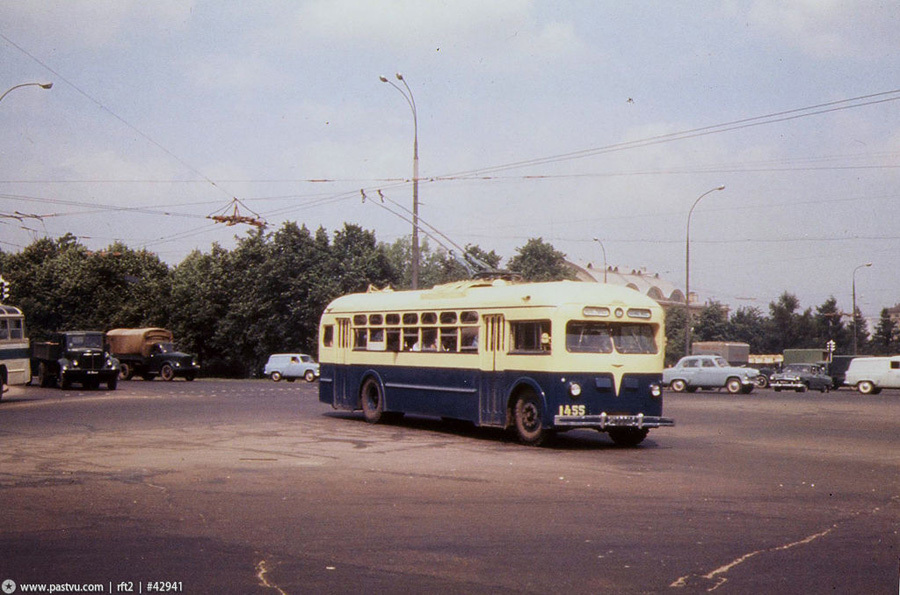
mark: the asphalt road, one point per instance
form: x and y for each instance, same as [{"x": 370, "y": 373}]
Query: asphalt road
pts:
[{"x": 256, "y": 487}]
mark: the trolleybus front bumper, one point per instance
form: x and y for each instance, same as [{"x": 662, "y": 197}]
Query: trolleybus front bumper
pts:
[{"x": 603, "y": 421}]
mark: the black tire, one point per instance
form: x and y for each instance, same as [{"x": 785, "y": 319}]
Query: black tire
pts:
[
  {"x": 310, "y": 376},
  {"x": 190, "y": 377},
  {"x": 867, "y": 387},
  {"x": 733, "y": 386},
  {"x": 627, "y": 437},
  {"x": 276, "y": 376},
  {"x": 528, "y": 421},
  {"x": 762, "y": 381},
  {"x": 126, "y": 372},
  {"x": 65, "y": 383},
  {"x": 678, "y": 385},
  {"x": 372, "y": 400},
  {"x": 802, "y": 388},
  {"x": 45, "y": 378},
  {"x": 112, "y": 384},
  {"x": 167, "y": 372}
]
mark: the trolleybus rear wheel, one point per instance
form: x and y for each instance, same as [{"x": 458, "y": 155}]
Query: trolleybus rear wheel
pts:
[{"x": 372, "y": 401}]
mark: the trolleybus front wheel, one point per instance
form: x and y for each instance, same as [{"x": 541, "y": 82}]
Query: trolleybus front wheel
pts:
[
  {"x": 628, "y": 436},
  {"x": 527, "y": 416}
]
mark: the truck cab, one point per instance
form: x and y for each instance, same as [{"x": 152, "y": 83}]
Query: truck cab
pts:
[{"x": 75, "y": 357}]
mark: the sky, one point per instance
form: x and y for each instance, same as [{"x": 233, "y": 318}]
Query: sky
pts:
[{"x": 560, "y": 120}]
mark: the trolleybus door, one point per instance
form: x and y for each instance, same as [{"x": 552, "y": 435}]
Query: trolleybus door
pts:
[
  {"x": 491, "y": 396},
  {"x": 341, "y": 398}
]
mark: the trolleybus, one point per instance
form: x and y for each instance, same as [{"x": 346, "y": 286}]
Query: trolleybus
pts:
[
  {"x": 536, "y": 357},
  {"x": 15, "y": 358}
]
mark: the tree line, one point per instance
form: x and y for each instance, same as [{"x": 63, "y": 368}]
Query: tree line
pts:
[{"x": 233, "y": 307}]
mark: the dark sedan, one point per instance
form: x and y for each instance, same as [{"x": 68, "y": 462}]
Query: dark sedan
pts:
[{"x": 801, "y": 378}]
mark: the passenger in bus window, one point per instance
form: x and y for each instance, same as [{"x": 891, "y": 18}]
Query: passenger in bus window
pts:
[{"x": 429, "y": 339}]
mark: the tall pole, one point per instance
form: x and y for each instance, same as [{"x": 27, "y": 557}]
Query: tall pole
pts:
[
  {"x": 862, "y": 266},
  {"x": 408, "y": 96},
  {"x": 605, "y": 268},
  {"x": 688, "y": 331},
  {"x": 41, "y": 85}
]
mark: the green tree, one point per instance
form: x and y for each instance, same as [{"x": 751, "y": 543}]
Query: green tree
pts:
[
  {"x": 787, "y": 328},
  {"x": 886, "y": 339},
  {"x": 540, "y": 261},
  {"x": 712, "y": 323},
  {"x": 829, "y": 326},
  {"x": 61, "y": 285},
  {"x": 201, "y": 296},
  {"x": 358, "y": 261},
  {"x": 675, "y": 324},
  {"x": 861, "y": 329},
  {"x": 748, "y": 325}
]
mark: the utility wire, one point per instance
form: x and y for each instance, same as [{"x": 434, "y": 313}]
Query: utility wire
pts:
[{"x": 128, "y": 124}]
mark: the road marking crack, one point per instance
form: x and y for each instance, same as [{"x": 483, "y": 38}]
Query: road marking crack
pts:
[
  {"x": 262, "y": 569},
  {"x": 719, "y": 573}
]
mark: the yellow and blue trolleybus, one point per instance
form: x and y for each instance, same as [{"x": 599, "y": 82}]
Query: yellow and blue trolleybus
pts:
[
  {"x": 15, "y": 356},
  {"x": 536, "y": 357}
]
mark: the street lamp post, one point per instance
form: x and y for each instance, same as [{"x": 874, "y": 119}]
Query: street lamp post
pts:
[
  {"x": 862, "y": 266},
  {"x": 688, "y": 331},
  {"x": 604, "y": 258},
  {"x": 41, "y": 85},
  {"x": 408, "y": 96}
]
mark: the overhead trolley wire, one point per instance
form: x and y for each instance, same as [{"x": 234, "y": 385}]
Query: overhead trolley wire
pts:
[{"x": 122, "y": 120}]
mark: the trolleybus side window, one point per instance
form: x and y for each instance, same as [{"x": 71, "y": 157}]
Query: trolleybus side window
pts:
[
  {"x": 360, "y": 338},
  {"x": 328, "y": 335},
  {"x": 531, "y": 336},
  {"x": 429, "y": 338}
]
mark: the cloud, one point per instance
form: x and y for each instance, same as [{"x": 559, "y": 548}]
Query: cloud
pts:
[
  {"x": 831, "y": 28},
  {"x": 404, "y": 25},
  {"x": 91, "y": 23}
]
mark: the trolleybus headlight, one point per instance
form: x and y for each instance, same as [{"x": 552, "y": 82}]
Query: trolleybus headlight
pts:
[
  {"x": 574, "y": 389},
  {"x": 655, "y": 390}
]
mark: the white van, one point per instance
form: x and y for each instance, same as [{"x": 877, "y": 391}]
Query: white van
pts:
[
  {"x": 871, "y": 374},
  {"x": 291, "y": 366}
]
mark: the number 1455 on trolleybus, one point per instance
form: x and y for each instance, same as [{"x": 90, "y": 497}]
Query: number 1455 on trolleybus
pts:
[{"x": 536, "y": 357}]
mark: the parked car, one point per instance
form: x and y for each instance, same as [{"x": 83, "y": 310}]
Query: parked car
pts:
[
  {"x": 709, "y": 371},
  {"x": 291, "y": 366},
  {"x": 871, "y": 374},
  {"x": 801, "y": 378}
]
